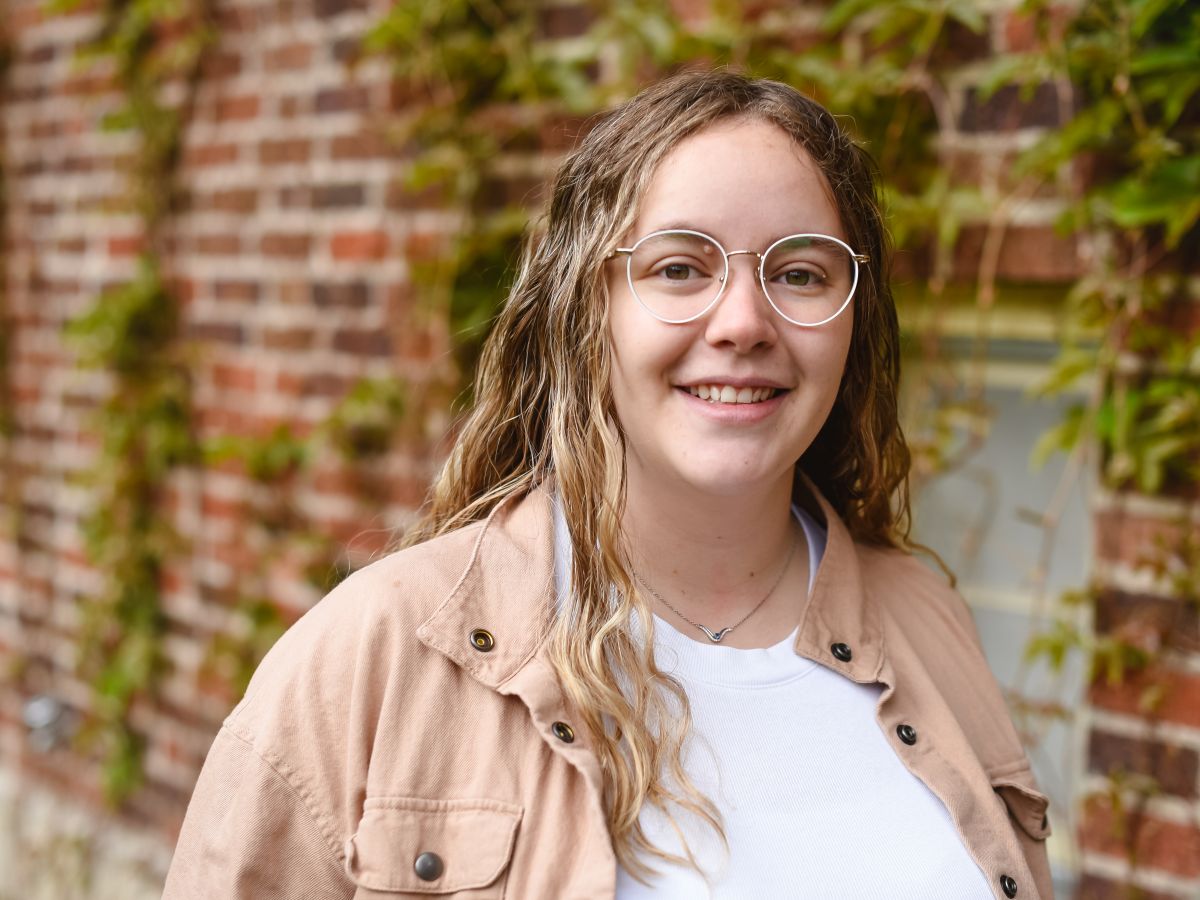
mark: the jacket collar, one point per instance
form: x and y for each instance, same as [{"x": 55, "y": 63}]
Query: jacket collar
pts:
[
  {"x": 507, "y": 589},
  {"x": 839, "y": 610}
]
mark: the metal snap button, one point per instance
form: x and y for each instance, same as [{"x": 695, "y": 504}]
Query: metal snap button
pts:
[
  {"x": 1009, "y": 886},
  {"x": 907, "y": 733},
  {"x": 482, "y": 640},
  {"x": 428, "y": 866},
  {"x": 563, "y": 732},
  {"x": 841, "y": 651}
]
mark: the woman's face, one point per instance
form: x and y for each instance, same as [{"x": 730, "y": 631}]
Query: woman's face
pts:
[{"x": 747, "y": 184}]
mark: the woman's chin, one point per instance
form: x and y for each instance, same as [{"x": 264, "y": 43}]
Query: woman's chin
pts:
[{"x": 732, "y": 482}]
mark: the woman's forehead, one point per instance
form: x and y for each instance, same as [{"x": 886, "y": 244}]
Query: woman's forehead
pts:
[{"x": 738, "y": 180}]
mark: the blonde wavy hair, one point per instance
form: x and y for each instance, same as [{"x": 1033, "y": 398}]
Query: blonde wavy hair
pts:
[{"x": 543, "y": 409}]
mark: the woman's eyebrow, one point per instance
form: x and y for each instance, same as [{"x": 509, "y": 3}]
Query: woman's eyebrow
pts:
[{"x": 677, "y": 226}]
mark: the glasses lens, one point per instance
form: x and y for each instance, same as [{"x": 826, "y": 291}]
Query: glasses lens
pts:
[
  {"x": 809, "y": 278},
  {"x": 676, "y": 275}
]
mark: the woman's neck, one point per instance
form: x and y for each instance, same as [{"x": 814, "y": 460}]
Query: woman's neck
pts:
[{"x": 713, "y": 558}]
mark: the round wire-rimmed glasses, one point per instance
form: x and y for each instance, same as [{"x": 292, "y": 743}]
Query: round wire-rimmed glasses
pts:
[{"x": 678, "y": 275}]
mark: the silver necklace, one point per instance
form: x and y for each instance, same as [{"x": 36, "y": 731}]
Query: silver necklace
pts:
[{"x": 717, "y": 636}]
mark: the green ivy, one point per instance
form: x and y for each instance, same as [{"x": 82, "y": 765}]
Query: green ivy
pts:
[
  {"x": 130, "y": 333},
  {"x": 360, "y": 430}
]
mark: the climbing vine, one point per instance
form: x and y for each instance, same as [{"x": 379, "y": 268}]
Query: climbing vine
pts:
[
  {"x": 153, "y": 47},
  {"x": 1132, "y": 325},
  {"x": 359, "y": 433}
]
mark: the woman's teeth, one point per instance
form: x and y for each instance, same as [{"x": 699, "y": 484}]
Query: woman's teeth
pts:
[{"x": 723, "y": 393}]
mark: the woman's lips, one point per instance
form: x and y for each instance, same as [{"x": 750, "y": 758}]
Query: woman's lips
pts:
[{"x": 735, "y": 412}]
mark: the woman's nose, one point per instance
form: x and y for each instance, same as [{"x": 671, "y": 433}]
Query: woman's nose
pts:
[{"x": 743, "y": 318}]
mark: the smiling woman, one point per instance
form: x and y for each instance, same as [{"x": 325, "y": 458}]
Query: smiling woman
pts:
[{"x": 661, "y": 632}]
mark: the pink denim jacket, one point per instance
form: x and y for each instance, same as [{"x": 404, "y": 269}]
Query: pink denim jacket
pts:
[{"x": 408, "y": 736}]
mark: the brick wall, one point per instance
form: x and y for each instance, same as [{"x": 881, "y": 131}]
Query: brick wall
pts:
[
  {"x": 291, "y": 262},
  {"x": 1149, "y": 724},
  {"x": 292, "y": 259}
]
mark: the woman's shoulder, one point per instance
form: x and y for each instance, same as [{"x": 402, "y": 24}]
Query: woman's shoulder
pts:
[
  {"x": 402, "y": 588},
  {"x": 360, "y": 635},
  {"x": 914, "y": 592}
]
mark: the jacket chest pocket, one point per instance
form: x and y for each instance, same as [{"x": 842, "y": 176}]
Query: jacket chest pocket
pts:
[{"x": 413, "y": 847}]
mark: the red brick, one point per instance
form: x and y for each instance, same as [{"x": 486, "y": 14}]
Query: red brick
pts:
[
  {"x": 1156, "y": 844},
  {"x": 1093, "y": 887},
  {"x": 288, "y": 338},
  {"x": 289, "y": 384},
  {"x": 215, "y": 154},
  {"x": 344, "y": 294},
  {"x": 295, "y": 196},
  {"x": 220, "y": 65},
  {"x": 564, "y": 21},
  {"x": 333, "y": 480},
  {"x": 182, "y": 289},
  {"x": 242, "y": 291},
  {"x": 1029, "y": 253},
  {"x": 126, "y": 245},
  {"x": 337, "y": 196},
  {"x": 44, "y": 129},
  {"x": 958, "y": 45},
  {"x": 363, "y": 342},
  {"x": 1132, "y": 539},
  {"x": 1180, "y": 695},
  {"x": 290, "y": 106},
  {"x": 88, "y": 84},
  {"x": 237, "y": 19},
  {"x": 236, "y": 200},
  {"x": 561, "y": 133},
  {"x": 219, "y": 507},
  {"x": 296, "y": 55},
  {"x": 1174, "y": 618},
  {"x": 217, "y": 332},
  {"x": 227, "y": 375},
  {"x": 326, "y": 9},
  {"x": 216, "y": 245},
  {"x": 1174, "y": 768},
  {"x": 359, "y": 245},
  {"x": 341, "y": 99},
  {"x": 401, "y": 197},
  {"x": 420, "y": 246},
  {"x": 362, "y": 145},
  {"x": 229, "y": 109},
  {"x": 348, "y": 50},
  {"x": 518, "y": 191},
  {"x": 25, "y": 16},
  {"x": 1006, "y": 109},
  {"x": 284, "y": 150},
  {"x": 1020, "y": 28},
  {"x": 294, "y": 246},
  {"x": 325, "y": 384}
]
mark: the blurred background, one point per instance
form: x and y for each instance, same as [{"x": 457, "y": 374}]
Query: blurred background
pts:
[{"x": 249, "y": 250}]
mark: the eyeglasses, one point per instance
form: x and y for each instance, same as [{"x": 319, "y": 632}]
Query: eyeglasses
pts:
[{"x": 679, "y": 275}]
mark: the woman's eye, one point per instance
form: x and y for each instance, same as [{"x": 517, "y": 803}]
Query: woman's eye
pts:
[
  {"x": 800, "y": 278},
  {"x": 676, "y": 271}
]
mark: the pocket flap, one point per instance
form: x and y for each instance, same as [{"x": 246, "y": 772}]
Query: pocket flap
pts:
[
  {"x": 1026, "y": 804},
  {"x": 473, "y": 839}
]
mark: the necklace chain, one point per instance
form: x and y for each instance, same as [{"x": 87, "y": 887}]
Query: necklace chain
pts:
[{"x": 717, "y": 636}]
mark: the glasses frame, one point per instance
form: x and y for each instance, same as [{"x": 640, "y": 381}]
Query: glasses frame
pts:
[{"x": 857, "y": 258}]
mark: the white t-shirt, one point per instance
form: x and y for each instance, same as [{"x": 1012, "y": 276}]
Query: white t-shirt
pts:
[{"x": 815, "y": 802}]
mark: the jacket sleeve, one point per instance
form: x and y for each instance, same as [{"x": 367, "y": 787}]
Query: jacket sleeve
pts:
[{"x": 249, "y": 833}]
